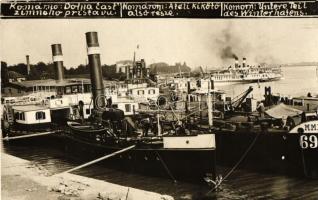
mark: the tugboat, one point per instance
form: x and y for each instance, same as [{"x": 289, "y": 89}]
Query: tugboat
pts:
[{"x": 174, "y": 153}]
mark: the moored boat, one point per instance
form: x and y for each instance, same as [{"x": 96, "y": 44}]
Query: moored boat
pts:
[
  {"x": 174, "y": 153},
  {"x": 178, "y": 156},
  {"x": 285, "y": 141}
]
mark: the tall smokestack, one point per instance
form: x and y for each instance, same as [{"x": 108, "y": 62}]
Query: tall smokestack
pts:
[
  {"x": 28, "y": 64},
  {"x": 244, "y": 62},
  {"x": 142, "y": 68},
  {"x": 236, "y": 63},
  {"x": 127, "y": 71},
  {"x": 58, "y": 61},
  {"x": 93, "y": 53}
]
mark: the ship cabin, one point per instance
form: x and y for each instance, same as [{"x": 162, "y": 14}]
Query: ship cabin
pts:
[
  {"x": 48, "y": 86},
  {"x": 305, "y": 103},
  {"x": 143, "y": 94},
  {"x": 127, "y": 105},
  {"x": 31, "y": 117}
]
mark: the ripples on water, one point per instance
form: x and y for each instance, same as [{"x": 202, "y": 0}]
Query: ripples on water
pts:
[{"x": 240, "y": 185}]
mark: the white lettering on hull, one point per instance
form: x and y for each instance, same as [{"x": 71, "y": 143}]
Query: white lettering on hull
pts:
[
  {"x": 308, "y": 141},
  {"x": 307, "y": 127}
]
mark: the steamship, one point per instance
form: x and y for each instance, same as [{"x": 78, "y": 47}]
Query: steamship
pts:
[
  {"x": 267, "y": 148},
  {"x": 45, "y": 105},
  {"x": 245, "y": 74},
  {"x": 153, "y": 150},
  {"x": 282, "y": 139}
]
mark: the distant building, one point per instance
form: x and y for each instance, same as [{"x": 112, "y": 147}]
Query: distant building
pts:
[
  {"x": 123, "y": 66},
  {"x": 133, "y": 70},
  {"x": 15, "y": 77}
]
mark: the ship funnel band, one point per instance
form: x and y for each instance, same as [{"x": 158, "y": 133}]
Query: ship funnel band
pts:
[
  {"x": 57, "y": 58},
  {"x": 93, "y": 50},
  {"x": 56, "y": 49}
]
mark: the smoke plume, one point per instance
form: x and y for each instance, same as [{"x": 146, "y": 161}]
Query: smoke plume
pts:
[
  {"x": 227, "y": 52},
  {"x": 229, "y": 45}
]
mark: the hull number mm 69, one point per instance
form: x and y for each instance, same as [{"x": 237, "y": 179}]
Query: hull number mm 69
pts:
[{"x": 310, "y": 141}]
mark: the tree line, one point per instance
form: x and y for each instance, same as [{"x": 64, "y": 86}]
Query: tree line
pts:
[{"x": 43, "y": 70}]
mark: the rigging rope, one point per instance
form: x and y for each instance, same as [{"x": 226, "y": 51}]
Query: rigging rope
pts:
[
  {"x": 304, "y": 162},
  {"x": 236, "y": 165},
  {"x": 166, "y": 167}
]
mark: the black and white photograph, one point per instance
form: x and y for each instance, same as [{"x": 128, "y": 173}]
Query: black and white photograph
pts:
[{"x": 159, "y": 100}]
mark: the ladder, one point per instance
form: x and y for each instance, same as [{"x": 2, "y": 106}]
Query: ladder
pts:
[{"x": 9, "y": 114}]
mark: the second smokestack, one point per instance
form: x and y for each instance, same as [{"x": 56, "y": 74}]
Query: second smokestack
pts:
[
  {"x": 58, "y": 61},
  {"x": 28, "y": 64},
  {"x": 236, "y": 63}
]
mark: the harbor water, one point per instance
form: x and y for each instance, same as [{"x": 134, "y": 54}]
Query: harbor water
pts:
[{"x": 241, "y": 184}]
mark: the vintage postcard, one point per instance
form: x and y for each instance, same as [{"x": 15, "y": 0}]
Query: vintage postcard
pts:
[{"x": 159, "y": 99}]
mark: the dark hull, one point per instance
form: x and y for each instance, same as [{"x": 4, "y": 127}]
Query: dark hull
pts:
[
  {"x": 178, "y": 164},
  {"x": 32, "y": 127},
  {"x": 270, "y": 152},
  {"x": 55, "y": 140}
]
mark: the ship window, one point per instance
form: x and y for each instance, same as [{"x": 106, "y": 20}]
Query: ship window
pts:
[
  {"x": 68, "y": 90},
  {"x": 140, "y": 92},
  {"x": 39, "y": 115},
  {"x": 88, "y": 111},
  {"x": 16, "y": 115},
  {"x": 19, "y": 116},
  {"x": 127, "y": 108},
  {"x": 80, "y": 88},
  {"x": 74, "y": 89},
  {"x": 22, "y": 116},
  {"x": 151, "y": 91}
]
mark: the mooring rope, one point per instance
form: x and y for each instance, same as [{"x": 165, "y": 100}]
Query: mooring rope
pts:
[
  {"x": 29, "y": 135},
  {"x": 304, "y": 162},
  {"x": 236, "y": 165},
  {"x": 166, "y": 167},
  {"x": 99, "y": 159},
  {"x": 127, "y": 193}
]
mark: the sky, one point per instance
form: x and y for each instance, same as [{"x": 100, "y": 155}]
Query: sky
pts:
[{"x": 198, "y": 42}]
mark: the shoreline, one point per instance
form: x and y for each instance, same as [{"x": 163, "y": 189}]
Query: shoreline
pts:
[{"x": 20, "y": 179}]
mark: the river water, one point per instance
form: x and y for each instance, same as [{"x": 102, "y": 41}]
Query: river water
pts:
[{"x": 240, "y": 184}]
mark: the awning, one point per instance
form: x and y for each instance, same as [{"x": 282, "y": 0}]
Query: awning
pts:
[{"x": 282, "y": 110}]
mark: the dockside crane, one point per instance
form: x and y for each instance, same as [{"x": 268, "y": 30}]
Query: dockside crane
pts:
[{"x": 238, "y": 100}]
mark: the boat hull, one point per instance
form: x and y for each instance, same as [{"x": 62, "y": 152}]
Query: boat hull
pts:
[
  {"x": 240, "y": 81},
  {"x": 177, "y": 164},
  {"x": 270, "y": 152}
]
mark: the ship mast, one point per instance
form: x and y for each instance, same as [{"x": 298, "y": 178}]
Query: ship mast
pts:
[{"x": 210, "y": 109}]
